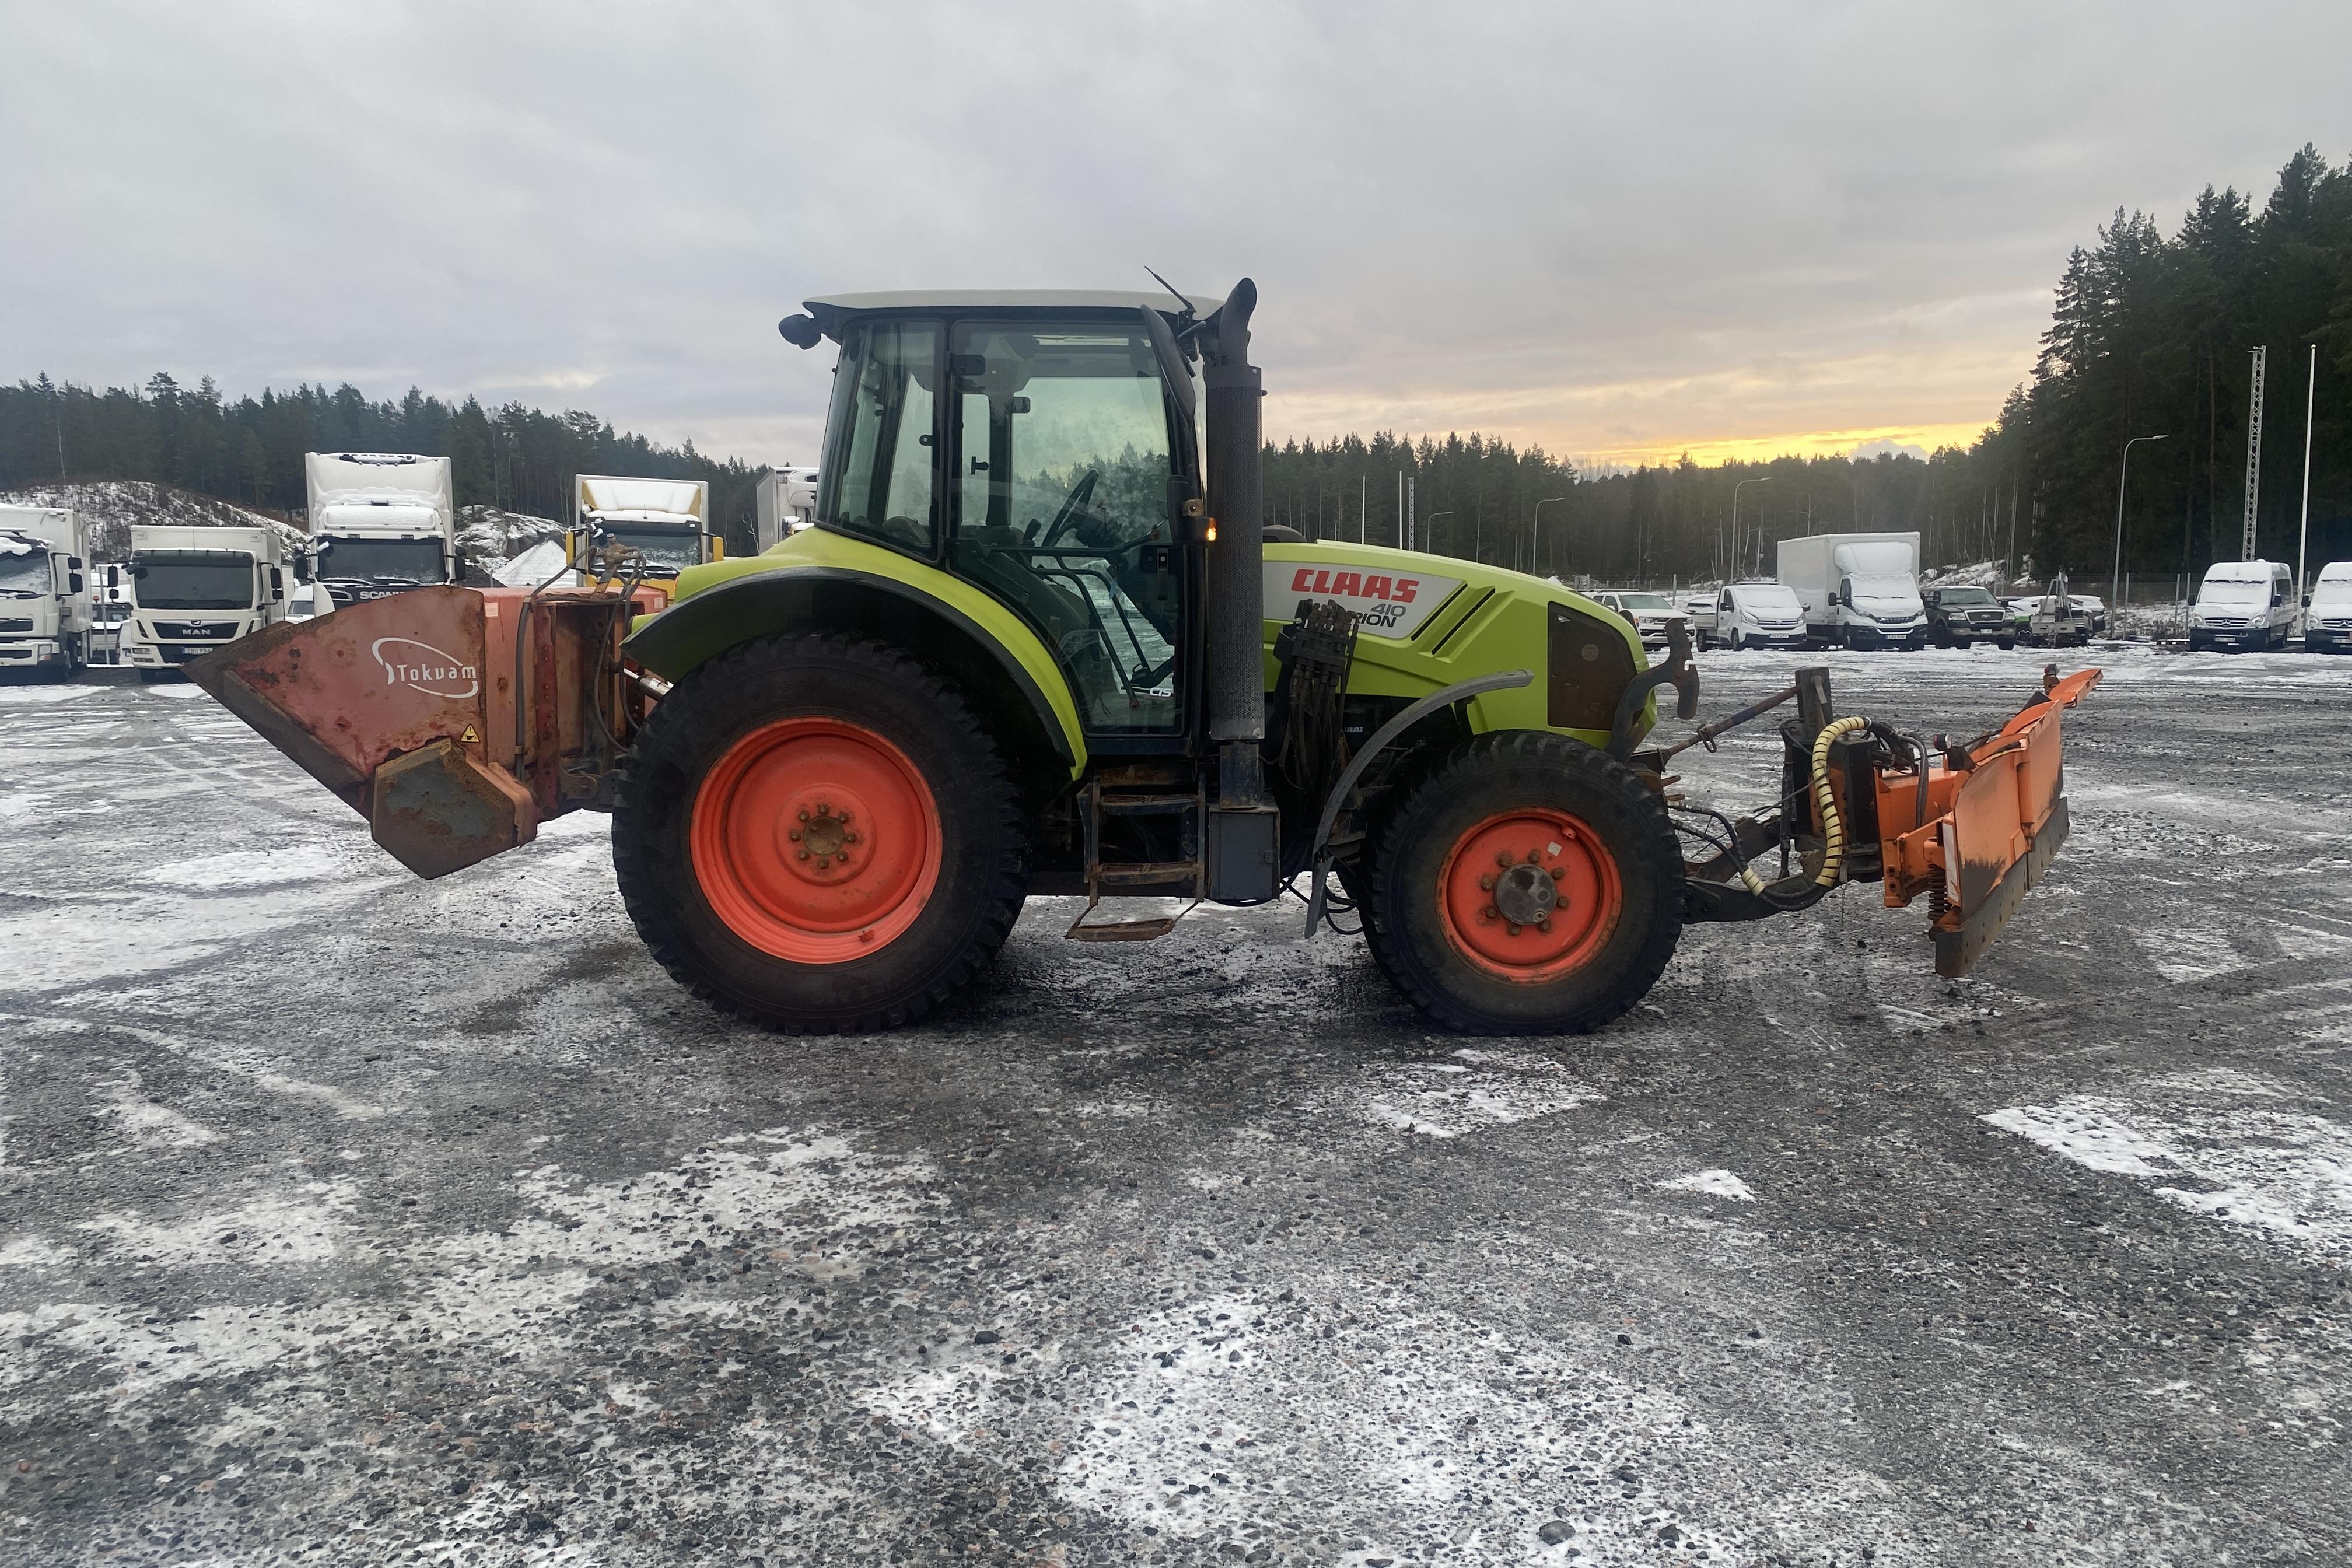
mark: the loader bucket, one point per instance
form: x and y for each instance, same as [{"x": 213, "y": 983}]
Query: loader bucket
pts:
[
  {"x": 454, "y": 719},
  {"x": 1990, "y": 821}
]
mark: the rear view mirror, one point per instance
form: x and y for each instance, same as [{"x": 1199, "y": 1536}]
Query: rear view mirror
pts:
[{"x": 2306, "y": 601}]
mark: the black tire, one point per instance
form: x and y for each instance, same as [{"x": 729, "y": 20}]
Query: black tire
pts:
[
  {"x": 984, "y": 849},
  {"x": 1494, "y": 775},
  {"x": 1738, "y": 644},
  {"x": 2004, "y": 644},
  {"x": 152, "y": 677}
]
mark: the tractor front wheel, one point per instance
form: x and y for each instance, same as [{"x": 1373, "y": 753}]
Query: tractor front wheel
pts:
[
  {"x": 816, "y": 833},
  {"x": 1528, "y": 885}
]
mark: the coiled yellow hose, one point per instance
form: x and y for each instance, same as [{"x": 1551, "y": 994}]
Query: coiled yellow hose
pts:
[{"x": 1832, "y": 826}]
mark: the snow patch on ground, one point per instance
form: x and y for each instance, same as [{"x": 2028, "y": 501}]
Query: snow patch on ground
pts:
[
  {"x": 308, "y": 1228},
  {"x": 2285, "y": 1174},
  {"x": 1474, "y": 1092},
  {"x": 261, "y": 869},
  {"x": 1239, "y": 1418},
  {"x": 1716, "y": 1184}
]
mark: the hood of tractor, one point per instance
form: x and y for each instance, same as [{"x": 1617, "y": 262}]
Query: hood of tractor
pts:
[
  {"x": 1424, "y": 622},
  {"x": 1427, "y": 621}
]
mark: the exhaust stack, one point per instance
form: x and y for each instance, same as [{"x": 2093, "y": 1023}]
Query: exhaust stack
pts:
[{"x": 1245, "y": 831}]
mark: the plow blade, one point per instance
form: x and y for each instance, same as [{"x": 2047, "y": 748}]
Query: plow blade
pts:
[
  {"x": 1978, "y": 832},
  {"x": 454, "y": 719}
]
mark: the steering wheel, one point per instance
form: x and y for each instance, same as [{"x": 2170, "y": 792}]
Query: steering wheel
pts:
[{"x": 1063, "y": 520}]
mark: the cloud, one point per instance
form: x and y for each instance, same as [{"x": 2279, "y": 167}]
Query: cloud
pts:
[{"x": 1601, "y": 229}]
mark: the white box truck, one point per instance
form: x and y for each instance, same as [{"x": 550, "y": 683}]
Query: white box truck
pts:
[
  {"x": 193, "y": 589},
  {"x": 380, "y": 523},
  {"x": 1859, "y": 590},
  {"x": 667, "y": 521},
  {"x": 786, "y": 499},
  {"x": 45, "y": 615}
]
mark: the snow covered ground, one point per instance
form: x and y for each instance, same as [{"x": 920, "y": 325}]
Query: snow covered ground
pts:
[{"x": 362, "y": 1220}]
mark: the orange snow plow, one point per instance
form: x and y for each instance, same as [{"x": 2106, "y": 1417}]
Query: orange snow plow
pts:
[
  {"x": 1969, "y": 826},
  {"x": 1975, "y": 829},
  {"x": 454, "y": 719}
]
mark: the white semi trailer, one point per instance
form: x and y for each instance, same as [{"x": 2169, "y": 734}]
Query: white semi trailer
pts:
[
  {"x": 1859, "y": 590},
  {"x": 786, "y": 497},
  {"x": 667, "y": 522},
  {"x": 193, "y": 589},
  {"x": 45, "y": 615},
  {"x": 380, "y": 523}
]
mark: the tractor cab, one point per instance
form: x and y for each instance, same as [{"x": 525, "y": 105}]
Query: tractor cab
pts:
[{"x": 1040, "y": 447}]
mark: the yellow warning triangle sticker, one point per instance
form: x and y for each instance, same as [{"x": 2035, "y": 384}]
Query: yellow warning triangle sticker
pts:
[{"x": 472, "y": 736}]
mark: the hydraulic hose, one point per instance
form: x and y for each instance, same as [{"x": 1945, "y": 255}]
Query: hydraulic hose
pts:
[{"x": 1832, "y": 824}]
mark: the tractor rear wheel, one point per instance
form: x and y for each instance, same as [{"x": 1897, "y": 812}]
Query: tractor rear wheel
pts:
[
  {"x": 1528, "y": 885},
  {"x": 816, "y": 833}
]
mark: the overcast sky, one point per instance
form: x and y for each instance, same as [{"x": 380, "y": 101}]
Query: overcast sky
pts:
[{"x": 1617, "y": 231}]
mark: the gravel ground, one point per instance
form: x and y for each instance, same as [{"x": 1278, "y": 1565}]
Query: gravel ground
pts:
[{"x": 352, "y": 1219}]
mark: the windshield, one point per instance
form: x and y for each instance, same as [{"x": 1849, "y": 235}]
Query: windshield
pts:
[
  {"x": 2331, "y": 590},
  {"x": 25, "y": 573},
  {"x": 666, "y": 550},
  {"x": 2233, "y": 591},
  {"x": 1645, "y": 601},
  {"x": 1950, "y": 596},
  {"x": 353, "y": 558},
  {"x": 195, "y": 580},
  {"x": 1885, "y": 590},
  {"x": 1768, "y": 601}
]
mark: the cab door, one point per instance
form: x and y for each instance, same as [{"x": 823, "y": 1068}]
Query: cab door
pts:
[{"x": 1065, "y": 436}]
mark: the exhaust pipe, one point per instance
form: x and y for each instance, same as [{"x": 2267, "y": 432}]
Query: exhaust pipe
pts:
[{"x": 1245, "y": 831}]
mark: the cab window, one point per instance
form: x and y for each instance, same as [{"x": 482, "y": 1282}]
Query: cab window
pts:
[
  {"x": 877, "y": 474},
  {"x": 1063, "y": 452}
]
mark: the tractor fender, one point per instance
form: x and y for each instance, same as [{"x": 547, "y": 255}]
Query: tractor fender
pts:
[{"x": 972, "y": 639}]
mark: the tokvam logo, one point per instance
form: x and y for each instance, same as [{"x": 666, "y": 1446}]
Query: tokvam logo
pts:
[{"x": 420, "y": 666}]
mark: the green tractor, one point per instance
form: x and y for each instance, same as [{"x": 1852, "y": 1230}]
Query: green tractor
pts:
[{"x": 1041, "y": 642}]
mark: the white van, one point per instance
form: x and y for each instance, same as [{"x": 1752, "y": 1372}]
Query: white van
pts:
[
  {"x": 2328, "y": 616},
  {"x": 2241, "y": 605},
  {"x": 1755, "y": 615}
]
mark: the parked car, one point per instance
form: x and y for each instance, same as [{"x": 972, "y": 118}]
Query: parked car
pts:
[
  {"x": 2243, "y": 605},
  {"x": 2327, "y": 610},
  {"x": 1964, "y": 613},
  {"x": 1761, "y": 613},
  {"x": 1649, "y": 613}
]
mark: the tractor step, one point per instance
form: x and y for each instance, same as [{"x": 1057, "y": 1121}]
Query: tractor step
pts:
[
  {"x": 1148, "y": 873},
  {"x": 1126, "y": 930}
]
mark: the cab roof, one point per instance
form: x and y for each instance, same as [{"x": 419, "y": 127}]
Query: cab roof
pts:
[{"x": 832, "y": 310}]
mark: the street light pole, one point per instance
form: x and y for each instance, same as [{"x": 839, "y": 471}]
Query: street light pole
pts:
[
  {"x": 1738, "y": 539},
  {"x": 1433, "y": 518},
  {"x": 1535, "y": 535},
  {"x": 2303, "y": 539},
  {"x": 2115, "y": 586}
]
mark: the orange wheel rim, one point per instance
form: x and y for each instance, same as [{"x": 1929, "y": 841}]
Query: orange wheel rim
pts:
[
  {"x": 1529, "y": 896},
  {"x": 816, "y": 840}
]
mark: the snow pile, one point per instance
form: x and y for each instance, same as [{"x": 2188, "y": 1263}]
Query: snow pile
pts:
[
  {"x": 486, "y": 536},
  {"x": 112, "y": 508},
  {"x": 532, "y": 567}
]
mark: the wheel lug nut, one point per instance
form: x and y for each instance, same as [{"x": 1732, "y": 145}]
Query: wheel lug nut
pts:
[
  {"x": 1514, "y": 930},
  {"x": 822, "y": 862},
  {"x": 1533, "y": 858},
  {"x": 804, "y": 814},
  {"x": 822, "y": 809},
  {"x": 796, "y": 835},
  {"x": 1558, "y": 872},
  {"x": 1490, "y": 911},
  {"x": 845, "y": 817},
  {"x": 1544, "y": 924},
  {"x": 801, "y": 855},
  {"x": 848, "y": 837},
  {"x": 1503, "y": 858},
  {"x": 1487, "y": 883}
]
